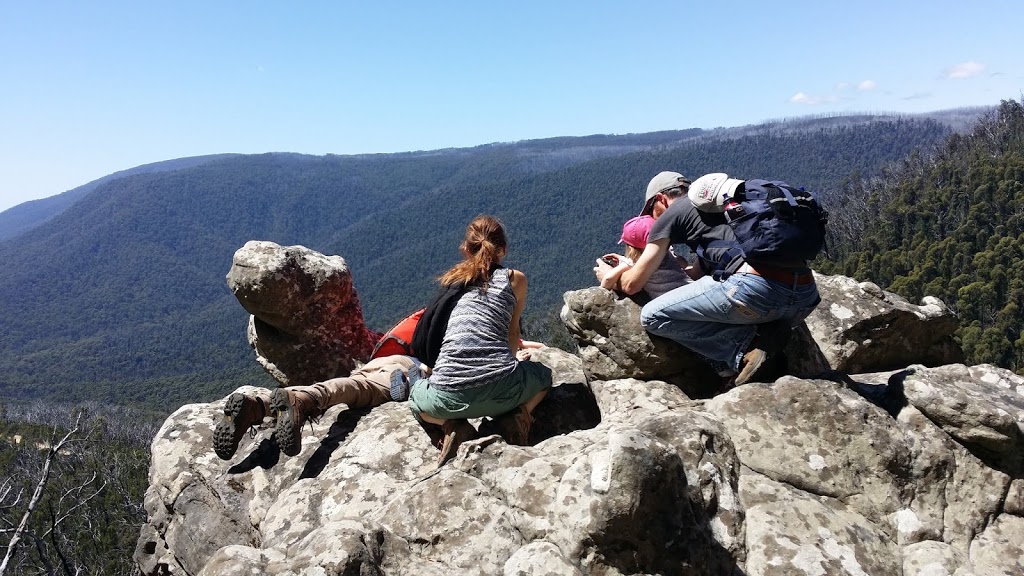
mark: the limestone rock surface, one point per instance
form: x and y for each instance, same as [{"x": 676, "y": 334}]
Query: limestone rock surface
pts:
[{"x": 793, "y": 477}]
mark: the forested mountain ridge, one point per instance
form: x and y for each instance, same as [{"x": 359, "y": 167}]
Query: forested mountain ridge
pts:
[
  {"x": 536, "y": 155},
  {"x": 951, "y": 225},
  {"x": 121, "y": 297},
  {"x": 28, "y": 215}
]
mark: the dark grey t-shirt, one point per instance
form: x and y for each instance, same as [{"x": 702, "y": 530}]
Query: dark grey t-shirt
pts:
[{"x": 682, "y": 223}]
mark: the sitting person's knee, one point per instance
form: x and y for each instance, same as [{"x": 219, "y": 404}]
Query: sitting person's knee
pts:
[{"x": 650, "y": 317}]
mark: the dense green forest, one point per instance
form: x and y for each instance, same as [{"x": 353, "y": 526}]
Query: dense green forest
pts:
[
  {"x": 949, "y": 224},
  {"x": 121, "y": 296}
]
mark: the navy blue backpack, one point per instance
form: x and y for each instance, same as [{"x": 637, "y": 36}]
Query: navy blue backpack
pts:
[{"x": 772, "y": 222}]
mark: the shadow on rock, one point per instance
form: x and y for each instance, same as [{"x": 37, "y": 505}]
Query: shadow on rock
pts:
[
  {"x": 339, "y": 431},
  {"x": 265, "y": 456},
  {"x": 568, "y": 407},
  {"x": 888, "y": 396}
]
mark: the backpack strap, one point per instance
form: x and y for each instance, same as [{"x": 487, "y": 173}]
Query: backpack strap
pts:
[
  {"x": 429, "y": 333},
  {"x": 731, "y": 260}
]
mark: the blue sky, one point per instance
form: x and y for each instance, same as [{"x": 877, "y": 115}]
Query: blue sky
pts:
[{"x": 89, "y": 88}]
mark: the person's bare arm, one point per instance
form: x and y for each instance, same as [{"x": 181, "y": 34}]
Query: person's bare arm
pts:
[
  {"x": 519, "y": 289},
  {"x": 633, "y": 279}
]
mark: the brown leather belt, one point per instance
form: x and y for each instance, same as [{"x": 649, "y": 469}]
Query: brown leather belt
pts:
[{"x": 779, "y": 274}]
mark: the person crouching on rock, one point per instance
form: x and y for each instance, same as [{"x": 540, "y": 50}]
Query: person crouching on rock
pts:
[
  {"x": 480, "y": 369},
  {"x": 368, "y": 386}
]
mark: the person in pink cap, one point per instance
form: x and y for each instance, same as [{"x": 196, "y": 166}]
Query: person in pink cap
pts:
[{"x": 669, "y": 274}]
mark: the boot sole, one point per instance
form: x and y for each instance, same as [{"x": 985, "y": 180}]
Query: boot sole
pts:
[
  {"x": 225, "y": 435},
  {"x": 288, "y": 439}
]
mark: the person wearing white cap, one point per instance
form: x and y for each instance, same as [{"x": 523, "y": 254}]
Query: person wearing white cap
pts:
[{"x": 718, "y": 319}]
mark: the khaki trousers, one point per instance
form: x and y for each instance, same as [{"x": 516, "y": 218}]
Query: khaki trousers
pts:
[{"x": 366, "y": 387}]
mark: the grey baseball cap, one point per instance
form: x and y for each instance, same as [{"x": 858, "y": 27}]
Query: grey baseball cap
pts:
[{"x": 661, "y": 183}]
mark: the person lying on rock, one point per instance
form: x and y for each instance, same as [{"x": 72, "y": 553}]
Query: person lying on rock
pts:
[
  {"x": 635, "y": 231},
  {"x": 735, "y": 321},
  {"x": 369, "y": 385},
  {"x": 480, "y": 369}
]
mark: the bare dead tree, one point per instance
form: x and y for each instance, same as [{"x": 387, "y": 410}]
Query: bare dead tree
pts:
[{"x": 37, "y": 494}]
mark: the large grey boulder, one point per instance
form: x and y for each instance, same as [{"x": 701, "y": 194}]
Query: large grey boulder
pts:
[
  {"x": 613, "y": 345},
  {"x": 982, "y": 407},
  {"x": 858, "y": 327},
  {"x": 306, "y": 324}
]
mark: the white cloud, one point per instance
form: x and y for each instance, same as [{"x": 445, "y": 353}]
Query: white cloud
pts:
[
  {"x": 867, "y": 85},
  {"x": 801, "y": 98},
  {"x": 842, "y": 86},
  {"x": 964, "y": 70}
]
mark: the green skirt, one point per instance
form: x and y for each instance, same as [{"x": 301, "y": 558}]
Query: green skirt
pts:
[{"x": 493, "y": 399}]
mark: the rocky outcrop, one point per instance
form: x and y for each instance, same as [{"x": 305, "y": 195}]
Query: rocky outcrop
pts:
[
  {"x": 794, "y": 477},
  {"x": 910, "y": 470},
  {"x": 857, "y": 328},
  {"x": 306, "y": 324},
  {"x": 650, "y": 488}
]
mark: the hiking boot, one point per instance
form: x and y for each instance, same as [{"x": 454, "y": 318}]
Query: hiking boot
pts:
[
  {"x": 241, "y": 413},
  {"x": 752, "y": 363},
  {"x": 514, "y": 426},
  {"x": 293, "y": 409},
  {"x": 455, "y": 432}
]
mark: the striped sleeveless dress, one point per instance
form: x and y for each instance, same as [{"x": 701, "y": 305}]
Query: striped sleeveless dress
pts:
[{"x": 475, "y": 349}]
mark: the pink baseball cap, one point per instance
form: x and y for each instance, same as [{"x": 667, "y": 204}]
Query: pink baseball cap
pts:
[{"x": 635, "y": 231}]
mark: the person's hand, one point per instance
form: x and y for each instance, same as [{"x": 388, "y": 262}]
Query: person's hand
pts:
[
  {"x": 523, "y": 355},
  {"x": 601, "y": 269}
]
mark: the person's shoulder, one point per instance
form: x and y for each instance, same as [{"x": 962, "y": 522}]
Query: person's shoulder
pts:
[{"x": 517, "y": 279}]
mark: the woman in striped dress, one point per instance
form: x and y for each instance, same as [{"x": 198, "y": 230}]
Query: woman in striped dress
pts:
[{"x": 481, "y": 370}]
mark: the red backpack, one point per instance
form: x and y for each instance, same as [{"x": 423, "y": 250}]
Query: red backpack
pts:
[{"x": 398, "y": 340}]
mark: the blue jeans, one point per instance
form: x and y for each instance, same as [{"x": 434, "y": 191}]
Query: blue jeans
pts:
[{"x": 719, "y": 319}]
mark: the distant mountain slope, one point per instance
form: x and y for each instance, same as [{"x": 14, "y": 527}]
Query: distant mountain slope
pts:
[
  {"x": 28, "y": 215},
  {"x": 121, "y": 297},
  {"x": 540, "y": 155}
]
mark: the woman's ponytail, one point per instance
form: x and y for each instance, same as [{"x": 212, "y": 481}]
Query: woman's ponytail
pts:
[{"x": 483, "y": 248}]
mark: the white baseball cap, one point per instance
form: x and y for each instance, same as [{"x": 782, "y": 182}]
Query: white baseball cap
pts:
[{"x": 710, "y": 192}]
